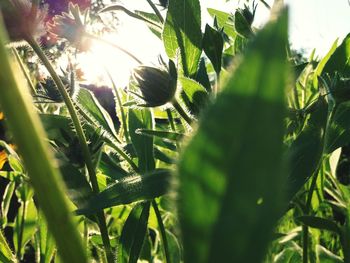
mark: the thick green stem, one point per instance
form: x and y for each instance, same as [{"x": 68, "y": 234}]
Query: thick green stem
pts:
[
  {"x": 162, "y": 231},
  {"x": 29, "y": 135},
  {"x": 305, "y": 244},
  {"x": 106, "y": 42},
  {"x": 182, "y": 112},
  {"x": 24, "y": 70},
  {"x": 156, "y": 11},
  {"x": 82, "y": 140}
]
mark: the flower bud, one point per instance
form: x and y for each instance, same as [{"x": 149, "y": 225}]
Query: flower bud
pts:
[
  {"x": 158, "y": 86},
  {"x": 23, "y": 20}
]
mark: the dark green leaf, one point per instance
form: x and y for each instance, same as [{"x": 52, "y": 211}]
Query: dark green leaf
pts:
[
  {"x": 231, "y": 172},
  {"x": 320, "y": 223},
  {"x": 212, "y": 46},
  {"x": 133, "y": 233},
  {"x": 202, "y": 75},
  {"x": 142, "y": 119},
  {"x": 182, "y": 30},
  {"x": 109, "y": 167},
  {"x": 339, "y": 60},
  {"x": 305, "y": 153},
  {"x": 173, "y": 136},
  {"x": 95, "y": 112},
  {"x": 129, "y": 189},
  {"x": 338, "y": 134},
  {"x": 242, "y": 26}
]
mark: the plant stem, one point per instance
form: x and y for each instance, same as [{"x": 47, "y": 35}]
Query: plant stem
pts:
[
  {"x": 182, "y": 112},
  {"x": 106, "y": 42},
  {"x": 28, "y": 134},
  {"x": 81, "y": 138},
  {"x": 20, "y": 234},
  {"x": 122, "y": 112},
  {"x": 305, "y": 244},
  {"x": 162, "y": 231},
  {"x": 171, "y": 120},
  {"x": 24, "y": 70},
  {"x": 156, "y": 11}
]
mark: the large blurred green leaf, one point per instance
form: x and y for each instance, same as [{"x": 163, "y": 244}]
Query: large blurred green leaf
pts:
[
  {"x": 129, "y": 189},
  {"x": 306, "y": 151},
  {"x": 133, "y": 233},
  {"x": 142, "y": 119},
  {"x": 182, "y": 30},
  {"x": 231, "y": 174}
]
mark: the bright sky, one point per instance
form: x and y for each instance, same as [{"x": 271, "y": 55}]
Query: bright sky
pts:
[{"x": 313, "y": 24}]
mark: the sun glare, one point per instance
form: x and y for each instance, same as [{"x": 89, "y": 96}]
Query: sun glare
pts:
[{"x": 132, "y": 36}]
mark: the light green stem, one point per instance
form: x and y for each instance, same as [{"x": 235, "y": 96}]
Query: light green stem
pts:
[
  {"x": 82, "y": 141},
  {"x": 29, "y": 136}
]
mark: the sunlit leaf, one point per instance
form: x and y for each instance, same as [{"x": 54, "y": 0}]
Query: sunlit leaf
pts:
[
  {"x": 129, "y": 189},
  {"x": 6, "y": 255},
  {"x": 182, "y": 30},
  {"x": 142, "y": 119},
  {"x": 224, "y": 21},
  {"x": 231, "y": 173}
]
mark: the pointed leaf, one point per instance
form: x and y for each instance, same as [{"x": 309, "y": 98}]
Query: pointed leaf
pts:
[
  {"x": 320, "y": 223},
  {"x": 129, "y": 189},
  {"x": 133, "y": 233},
  {"x": 173, "y": 136},
  {"x": 224, "y": 20}
]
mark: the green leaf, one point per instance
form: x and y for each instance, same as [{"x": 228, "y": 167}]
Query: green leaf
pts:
[
  {"x": 182, "y": 30},
  {"x": 174, "y": 247},
  {"x": 305, "y": 152},
  {"x": 196, "y": 94},
  {"x": 6, "y": 255},
  {"x": 46, "y": 242},
  {"x": 172, "y": 136},
  {"x": 154, "y": 18},
  {"x": 142, "y": 119},
  {"x": 133, "y": 233},
  {"x": 6, "y": 200},
  {"x": 213, "y": 45},
  {"x": 340, "y": 59},
  {"x": 326, "y": 256},
  {"x": 129, "y": 189},
  {"x": 109, "y": 167},
  {"x": 224, "y": 21},
  {"x": 24, "y": 233},
  {"x": 319, "y": 223},
  {"x": 97, "y": 115},
  {"x": 242, "y": 26},
  {"x": 231, "y": 173},
  {"x": 338, "y": 134}
]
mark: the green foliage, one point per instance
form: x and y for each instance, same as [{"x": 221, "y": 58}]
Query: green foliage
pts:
[{"x": 241, "y": 160}]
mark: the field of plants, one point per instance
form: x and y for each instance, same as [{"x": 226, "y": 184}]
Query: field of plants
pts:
[{"x": 232, "y": 148}]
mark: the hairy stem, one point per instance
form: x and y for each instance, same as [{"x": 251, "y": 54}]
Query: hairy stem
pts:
[
  {"x": 182, "y": 112},
  {"x": 82, "y": 141}
]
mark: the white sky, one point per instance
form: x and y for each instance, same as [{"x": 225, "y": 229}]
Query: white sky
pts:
[{"x": 313, "y": 24}]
